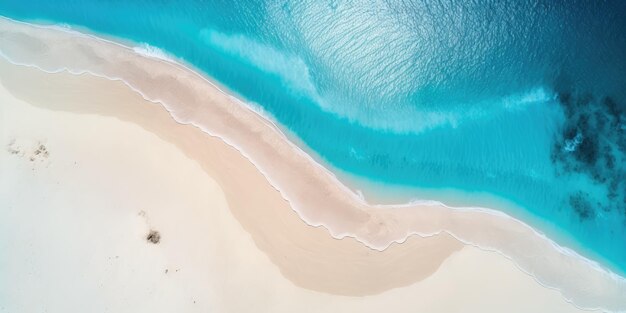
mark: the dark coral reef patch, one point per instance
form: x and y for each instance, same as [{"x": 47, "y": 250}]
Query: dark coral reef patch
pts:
[{"x": 592, "y": 142}]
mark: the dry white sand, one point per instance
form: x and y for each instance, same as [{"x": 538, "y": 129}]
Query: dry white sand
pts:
[{"x": 75, "y": 216}]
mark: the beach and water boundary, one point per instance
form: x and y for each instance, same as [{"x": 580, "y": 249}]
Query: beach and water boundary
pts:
[
  {"x": 121, "y": 167},
  {"x": 347, "y": 214}
]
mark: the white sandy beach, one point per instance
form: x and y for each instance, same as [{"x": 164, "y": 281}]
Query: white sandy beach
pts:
[{"x": 74, "y": 222}]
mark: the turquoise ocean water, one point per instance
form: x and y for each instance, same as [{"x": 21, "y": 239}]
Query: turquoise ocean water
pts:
[{"x": 523, "y": 101}]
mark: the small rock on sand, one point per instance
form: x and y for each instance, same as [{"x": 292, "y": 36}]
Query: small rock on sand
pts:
[{"x": 153, "y": 237}]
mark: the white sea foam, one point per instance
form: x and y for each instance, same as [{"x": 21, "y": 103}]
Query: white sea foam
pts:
[
  {"x": 152, "y": 52},
  {"x": 290, "y": 68},
  {"x": 572, "y": 144}
]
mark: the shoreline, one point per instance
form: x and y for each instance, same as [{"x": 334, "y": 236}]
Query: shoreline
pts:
[
  {"x": 512, "y": 210},
  {"x": 379, "y": 213},
  {"x": 157, "y": 54},
  {"x": 214, "y": 263}
]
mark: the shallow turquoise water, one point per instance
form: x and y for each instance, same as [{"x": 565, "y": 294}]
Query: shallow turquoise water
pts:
[{"x": 525, "y": 101}]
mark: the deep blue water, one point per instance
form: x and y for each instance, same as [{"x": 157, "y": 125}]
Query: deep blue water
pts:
[{"x": 522, "y": 100}]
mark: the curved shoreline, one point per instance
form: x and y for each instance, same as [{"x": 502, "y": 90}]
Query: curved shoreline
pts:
[
  {"x": 282, "y": 246},
  {"x": 95, "y": 143},
  {"x": 371, "y": 222}
]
